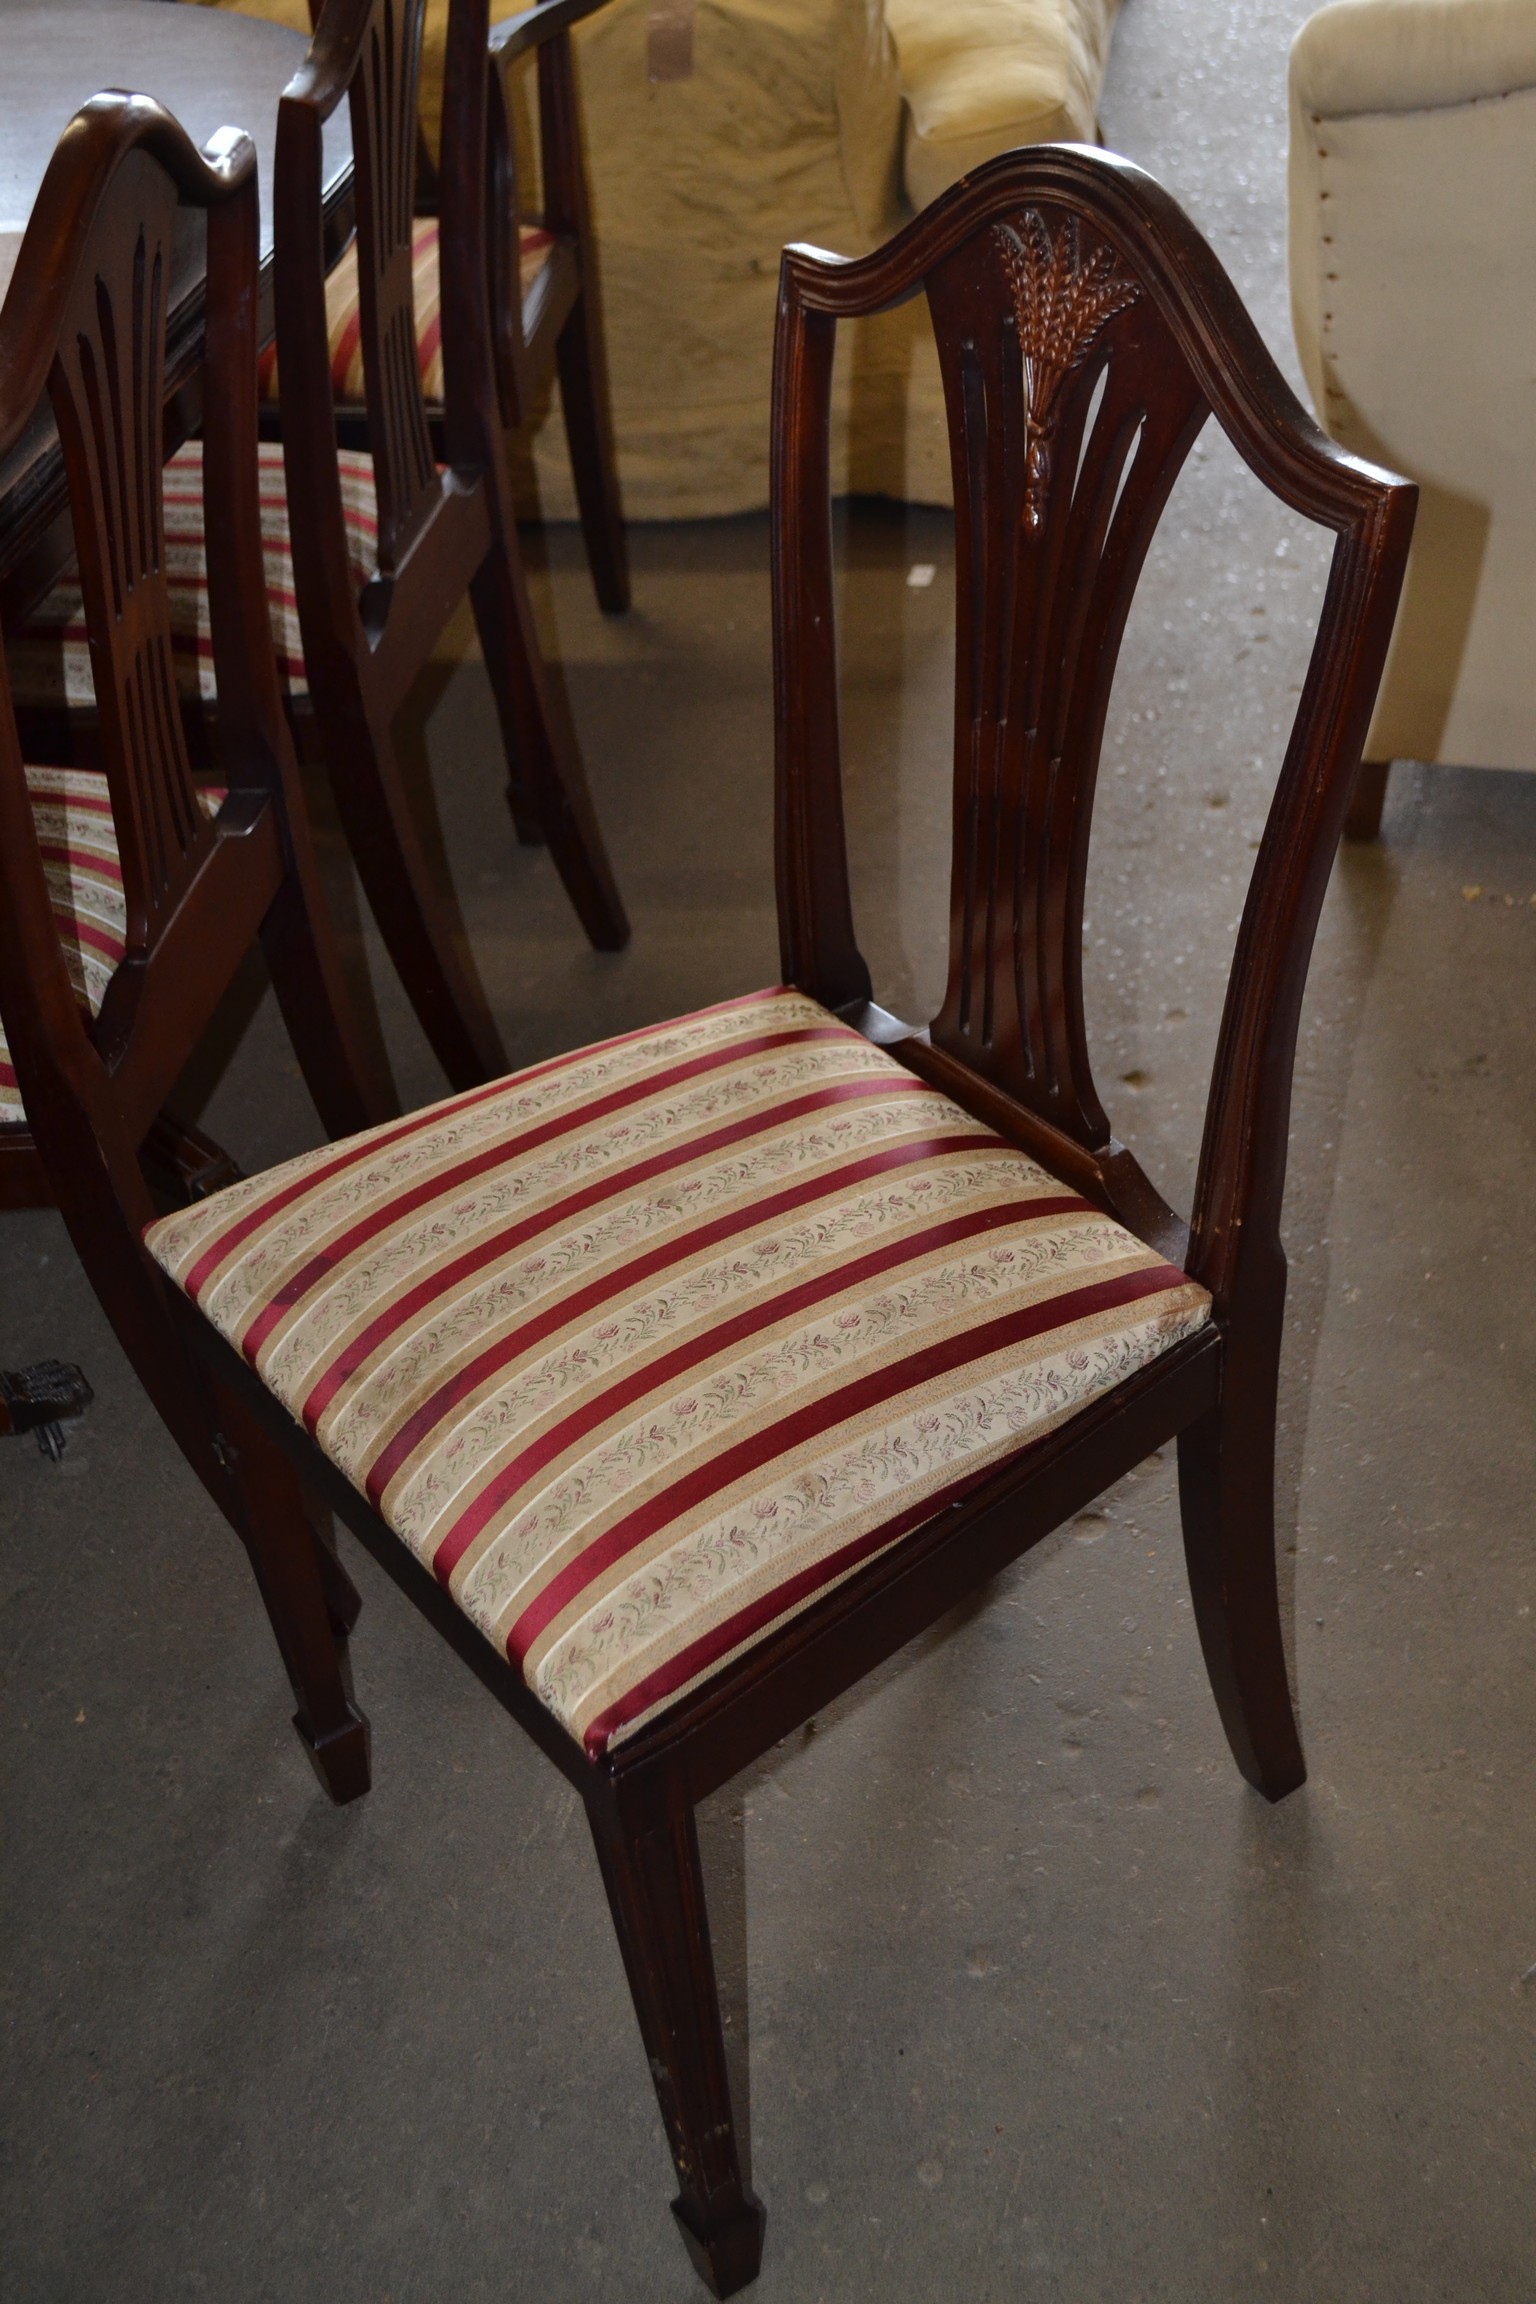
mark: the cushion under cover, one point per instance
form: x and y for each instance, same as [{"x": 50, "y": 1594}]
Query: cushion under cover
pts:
[
  {"x": 77, "y": 839},
  {"x": 644, "y": 1349},
  {"x": 73, "y": 814},
  {"x": 49, "y": 655}
]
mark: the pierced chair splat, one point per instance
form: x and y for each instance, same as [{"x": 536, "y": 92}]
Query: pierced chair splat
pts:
[
  {"x": 683, "y": 1379},
  {"x": 131, "y": 893}
]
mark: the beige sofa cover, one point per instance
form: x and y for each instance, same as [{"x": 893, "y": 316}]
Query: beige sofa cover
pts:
[
  {"x": 819, "y": 120},
  {"x": 1413, "y": 286}
]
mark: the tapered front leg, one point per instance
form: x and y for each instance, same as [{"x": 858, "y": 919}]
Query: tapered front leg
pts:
[
  {"x": 546, "y": 780},
  {"x": 282, "y": 1546},
  {"x": 343, "y": 1601},
  {"x": 655, "y": 1887},
  {"x": 1227, "y": 1495},
  {"x": 1367, "y": 799},
  {"x": 589, "y": 432}
]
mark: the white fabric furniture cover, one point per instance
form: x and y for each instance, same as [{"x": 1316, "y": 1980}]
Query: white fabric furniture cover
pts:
[
  {"x": 1413, "y": 286},
  {"x": 820, "y": 120}
]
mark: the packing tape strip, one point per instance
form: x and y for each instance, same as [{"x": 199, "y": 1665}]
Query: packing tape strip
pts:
[{"x": 669, "y": 41}]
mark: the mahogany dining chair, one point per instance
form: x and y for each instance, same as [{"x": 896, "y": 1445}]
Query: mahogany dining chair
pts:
[
  {"x": 131, "y": 891},
  {"x": 682, "y": 1379},
  {"x": 369, "y": 553},
  {"x": 436, "y": 532},
  {"x": 546, "y": 311}
]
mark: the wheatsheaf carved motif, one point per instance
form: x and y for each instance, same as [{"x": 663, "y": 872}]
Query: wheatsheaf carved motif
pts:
[{"x": 1062, "y": 303}]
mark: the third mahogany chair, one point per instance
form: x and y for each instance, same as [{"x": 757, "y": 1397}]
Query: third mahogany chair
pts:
[
  {"x": 441, "y": 531},
  {"x": 369, "y": 553},
  {"x": 546, "y": 312},
  {"x": 131, "y": 891},
  {"x": 683, "y": 1379}
]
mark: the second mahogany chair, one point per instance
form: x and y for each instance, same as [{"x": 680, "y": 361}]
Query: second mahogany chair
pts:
[
  {"x": 682, "y": 1379},
  {"x": 546, "y": 311},
  {"x": 369, "y": 554},
  {"x": 441, "y": 531},
  {"x": 130, "y": 891}
]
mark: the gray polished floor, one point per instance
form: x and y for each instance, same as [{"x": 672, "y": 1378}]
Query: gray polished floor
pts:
[{"x": 1045, "y": 2004}]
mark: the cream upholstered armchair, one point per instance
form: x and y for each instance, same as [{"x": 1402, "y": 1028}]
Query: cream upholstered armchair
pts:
[
  {"x": 1413, "y": 286},
  {"x": 717, "y": 130}
]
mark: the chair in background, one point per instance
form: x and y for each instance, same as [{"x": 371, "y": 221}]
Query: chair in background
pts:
[
  {"x": 368, "y": 555},
  {"x": 545, "y": 310},
  {"x": 130, "y": 893},
  {"x": 681, "y": 1380},
  {"x": 716, "y": 132},
  {"x": 1413, "y": 263},
  {"x": 441, "y": 531}
]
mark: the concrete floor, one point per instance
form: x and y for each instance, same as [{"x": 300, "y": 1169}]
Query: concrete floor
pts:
[{"x": 1045, "y": 2004}]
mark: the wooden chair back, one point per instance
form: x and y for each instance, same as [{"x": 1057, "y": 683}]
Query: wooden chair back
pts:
[
  {"x": 85, "y": 321},
  {"x": 442, "y": 533},
  {"x": 1086, "y": 334},
  {"x": 368, "y": 53}
]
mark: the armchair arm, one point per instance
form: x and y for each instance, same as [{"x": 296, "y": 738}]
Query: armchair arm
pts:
[
  {"x": 518, "y": 35},
  {"x": 980, "y": 76},
  {"x": 1411, "y": 55}
]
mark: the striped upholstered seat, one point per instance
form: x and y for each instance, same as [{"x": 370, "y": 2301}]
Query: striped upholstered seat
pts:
[
  {"x": 78, "y": 842},
  {"x": 49, "y": 657},
  {"x": 343, "y": 312},
  {"x": 643, "y": 1349},
  {"x": 75, "y": 833}
]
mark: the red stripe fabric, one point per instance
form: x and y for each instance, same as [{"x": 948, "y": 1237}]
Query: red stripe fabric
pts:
[
  {"x": 367, "y": 1147},
  {"x": 831, "y": 1408},
  {"x": 80, "y": 859},
  {"x": 642, "y": 1348},
  {"x": 786, "y": 1599},
  {"x": 579, "y": 1302},
  {"x": 675, "y": 1365},
  {"x": 439, "y": 1185}
]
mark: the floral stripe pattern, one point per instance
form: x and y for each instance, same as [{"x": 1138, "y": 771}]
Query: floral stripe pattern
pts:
[
  {"x": 75, "y": 835},
  {"x": 49, "y": 655},
  {"x": 644, "y": 1350},
  {"x": 344, "y": 320},
  {"x": 77, "y": 840}
]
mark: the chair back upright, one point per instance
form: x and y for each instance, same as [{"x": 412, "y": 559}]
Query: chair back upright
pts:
[
  {"x": 441, "y": 533},
  {"x": 1085, "y": 333},
  {"x": 368, "y": 52},
  {"x": 204, "y": 873},
  {"x": 383, "y": 102}
]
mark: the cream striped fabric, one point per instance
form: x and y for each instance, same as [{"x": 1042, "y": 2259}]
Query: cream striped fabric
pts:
[
  {"x": 77, "y": 841},
  {"x": 343, "y": 312},
  {"x": 75, "y": 835},
  {"x": 49, "y": 654},
  {"x": 644, "y": 1349}
]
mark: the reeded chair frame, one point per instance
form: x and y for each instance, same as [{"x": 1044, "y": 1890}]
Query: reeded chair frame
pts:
[
  {"x": 1046, "y": 272},
  {"x": 441, "y": 533},
  {"x": 85, "y": 321}
]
